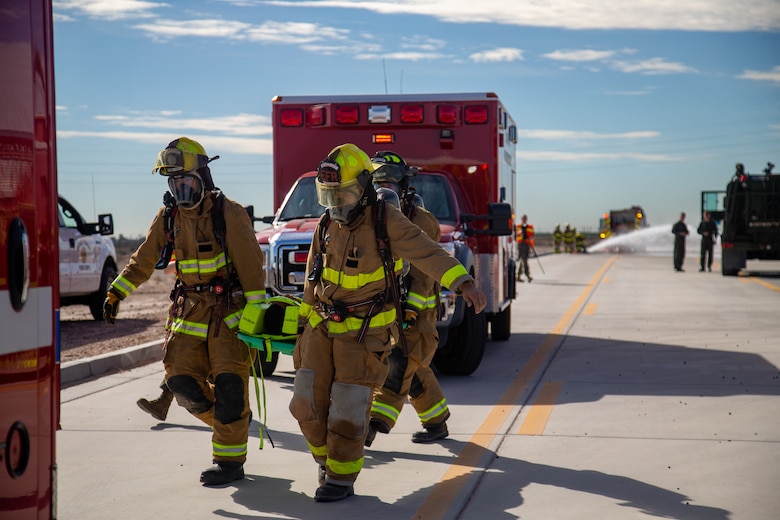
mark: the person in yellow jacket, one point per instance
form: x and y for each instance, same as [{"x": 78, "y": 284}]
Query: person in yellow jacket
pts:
[
  {"x": 349, "y": 311},
  {"x": 411, "y": 375},
  {"x": 557, "y": 238},
  {"x": 568, "y": 239},
  {"x": 524, "y": 234},
  {"x": 219, "y": 270}
]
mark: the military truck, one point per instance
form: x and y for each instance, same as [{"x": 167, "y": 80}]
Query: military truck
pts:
[{"x": 749, "y": 213}]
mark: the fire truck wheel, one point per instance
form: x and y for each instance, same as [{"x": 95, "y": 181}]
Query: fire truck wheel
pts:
[
  {"x": 267, "y": 367},
  {"x": 99, "y": 296},
  {"x": 501, "y": 325},
  {"x": 465, "y": 346}
]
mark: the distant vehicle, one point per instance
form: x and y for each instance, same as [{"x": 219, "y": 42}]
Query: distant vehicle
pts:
[
  {"x": 29, "y": 288},
  {"x": 749, "y": 212},
  {"x": 87, "y": 259},
  {"x": 622, "y": 221},
  {"x": 464, "y": 145}
]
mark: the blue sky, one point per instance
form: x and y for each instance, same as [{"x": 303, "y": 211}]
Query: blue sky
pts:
[{"x": 617, "y": 103}]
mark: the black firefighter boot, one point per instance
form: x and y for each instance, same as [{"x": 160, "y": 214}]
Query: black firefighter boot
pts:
[
  {"x": 375, "y": 425},
  {"x": 157, "y": 408},
  {"x": 223, "y": 472},
  {"x": 332, "y": 492},
  {"x": 431, "y": 433}
]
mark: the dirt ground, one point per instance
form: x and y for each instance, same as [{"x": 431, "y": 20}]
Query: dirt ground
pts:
[{"x": 141, "y": 319}]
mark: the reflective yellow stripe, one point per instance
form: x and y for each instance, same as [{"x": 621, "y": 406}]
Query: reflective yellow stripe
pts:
[
  {"x": 345, "y": 468},
  {"x": 192, "y": 328},
  {"x": 421, "y": 302},
  {"x": 381, "y": 320},
  {"x": 453, "y": 274},
  {"x": 123, "y": 286},
  {"x": 386, "y": 410},
  {"x": 205, "y": 265},
  {"x": 222, "y": 450},
  {"x": 434, "y": 411},
  {"x": 254, "y": 296},
  {"x": 233, "y": 320},
  {"x": 352, "y": 281},
  {"x": 318, "y": 451}
]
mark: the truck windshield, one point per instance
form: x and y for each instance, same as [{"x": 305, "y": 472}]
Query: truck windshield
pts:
[
  {"x": 436, "y": 195},
  {"x": 302, "y": 202}
]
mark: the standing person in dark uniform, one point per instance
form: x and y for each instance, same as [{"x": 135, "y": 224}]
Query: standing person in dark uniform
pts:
[
  {"x": 680, "y": 232},
  {"x": 709, "y": 235}
]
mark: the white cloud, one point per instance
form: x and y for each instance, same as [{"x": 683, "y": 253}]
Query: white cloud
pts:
[
  {"x": 585, "y": 156},
  {"x": 688, "y": 15},
  {"x": 422, "y": 43},
  {"x": 217, "y": 143},
  {"x": 106, "y": 9},
  {"x": 758, "y": 75},
  {"x": 408, "y": 56},
  {"x": 577, "y": 135},
  {"x": 652, "y": 67},
  {"x": 579, "y": 55},
  {"x": 498, "y": 54},
  {"x": 239, "y": 124}
]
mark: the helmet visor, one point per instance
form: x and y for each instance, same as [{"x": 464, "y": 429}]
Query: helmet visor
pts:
[
  {"x": 187, "y": 189},
  {"x": 172, "y": 161},
  {"x": 333, "y": 195}
]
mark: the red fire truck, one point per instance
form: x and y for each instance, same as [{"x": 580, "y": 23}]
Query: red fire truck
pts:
[
  {"x": 29, "y": 283},
  {"x": 463, "y": 144}
]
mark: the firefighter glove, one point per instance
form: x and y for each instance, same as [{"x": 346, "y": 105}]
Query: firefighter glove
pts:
[
  {"x": 111, "y": 307},
  {"x": 410, "y": 317}
]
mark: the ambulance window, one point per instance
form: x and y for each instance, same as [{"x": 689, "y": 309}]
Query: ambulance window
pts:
[
  {"x": 302, "y": 202},
  {"x": 436, "y": 196}
]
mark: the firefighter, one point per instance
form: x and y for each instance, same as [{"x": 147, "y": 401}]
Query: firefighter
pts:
[
  {"x": 579, "y": 241},
  {"x": 708, "y": 230},
  {"x": 568, "y": 239},
  {"x": 219, "y": 270},
  {"x": 411, "y": 375},
  {"x": 524, "y": 234},
  {"x": 350, "y": 312},
  {"x": 557, "y": 238},
  {"x": 680, "y": 232}
]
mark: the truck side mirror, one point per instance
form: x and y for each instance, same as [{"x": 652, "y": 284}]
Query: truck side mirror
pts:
[
  {"x": 106, "y": 224},
  {"x": 500, "y": 222}
]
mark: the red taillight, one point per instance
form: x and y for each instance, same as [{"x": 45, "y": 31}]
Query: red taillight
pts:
[
  {"x": 347, "y": 114},
  {"x": 291, "y": 117},
  {"x": 727, "y": 245},
  {"x": 475, "y": 114},
  {"x": 447, "y": 114},
  {"x": 300, "y": 257},
  {"x": 412, "y": 114},
  {"x": 317, "y": 116}
]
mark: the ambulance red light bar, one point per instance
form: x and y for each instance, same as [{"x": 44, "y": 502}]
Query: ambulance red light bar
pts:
[
  {"x": 383, "y": 138},
  {"x": 447, "y": 114},
  {"x": 412, "y": 114},
  {"x": 476, "y": 114},
  {"x": 347, "y": 114},
  {"x": 291, "y": 117}
]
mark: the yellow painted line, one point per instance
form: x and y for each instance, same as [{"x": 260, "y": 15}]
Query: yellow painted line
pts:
[
  {"x": 767, "y": 284},
  {"x": 590, "y": 309},
  {"x": 540, "y": 412},
  {"x": 606, "y": 280},
  {"x": 440, "y": 499}
]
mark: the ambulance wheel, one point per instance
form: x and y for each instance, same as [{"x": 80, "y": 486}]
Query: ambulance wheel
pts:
[
  {"x": 267, "y": 367},
  {"x": 465, "y": 346},
  {"x": 501, "y": 325},
  {"x": 99, "y": 297}
]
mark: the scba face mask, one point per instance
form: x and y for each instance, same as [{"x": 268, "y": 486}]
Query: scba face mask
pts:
[{"x": 187, "y": 189}]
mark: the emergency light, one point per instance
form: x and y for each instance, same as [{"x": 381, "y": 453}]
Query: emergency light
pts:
[
  {"x": 447, "y": 114},
  {"x": 291, "y": 117},
  {"x": 412, "y": 114},
  {"x": 476, "y": 114},
  {"x": 347, "y": 114},
  {"x": 383, "y": 138}
]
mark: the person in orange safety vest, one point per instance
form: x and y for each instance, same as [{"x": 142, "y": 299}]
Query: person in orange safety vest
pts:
[{"x": 524, "y": 234}]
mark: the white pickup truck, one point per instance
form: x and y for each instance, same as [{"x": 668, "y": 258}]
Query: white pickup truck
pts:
[{"x": 87, "y": 259}]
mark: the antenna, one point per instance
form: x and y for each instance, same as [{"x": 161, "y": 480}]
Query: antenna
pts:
[
  {"x": 402, "y": 81},
  {"x": 385, "y": 72}
]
